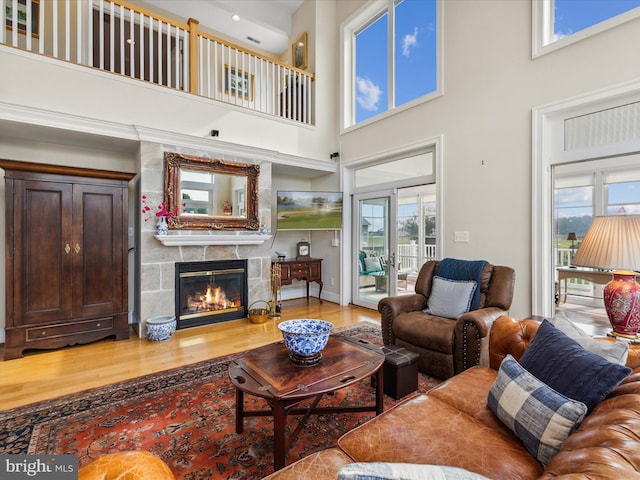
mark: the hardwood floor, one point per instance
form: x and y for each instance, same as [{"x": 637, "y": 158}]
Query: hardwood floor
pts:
[{"x": 44, "y": 374}]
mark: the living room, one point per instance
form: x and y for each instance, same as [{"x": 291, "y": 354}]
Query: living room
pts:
[
  {"x": 483, "y": 138},
  {"x": 496, "y": 130}
]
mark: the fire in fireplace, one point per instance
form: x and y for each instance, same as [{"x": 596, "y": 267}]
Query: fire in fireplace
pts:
[{"x": 210, "y": 292}]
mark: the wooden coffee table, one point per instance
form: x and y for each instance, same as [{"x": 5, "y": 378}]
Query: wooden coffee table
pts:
[{"x": 267, "y": 372}]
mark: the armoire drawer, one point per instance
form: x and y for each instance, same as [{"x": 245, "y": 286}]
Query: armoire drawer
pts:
[{"x": 71, "y": 328}]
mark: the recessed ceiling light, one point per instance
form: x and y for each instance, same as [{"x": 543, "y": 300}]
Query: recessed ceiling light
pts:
[{"x": 235, "y": 17}]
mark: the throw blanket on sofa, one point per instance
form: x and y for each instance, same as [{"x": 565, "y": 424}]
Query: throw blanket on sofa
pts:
[{"x": 466, "y": 270}]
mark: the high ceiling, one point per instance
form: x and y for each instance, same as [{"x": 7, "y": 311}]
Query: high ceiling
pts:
[{"x": 267, "y": 21}]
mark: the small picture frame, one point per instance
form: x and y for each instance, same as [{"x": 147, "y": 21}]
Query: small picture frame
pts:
[
  {"x": 299, "y": 52},
  {"x": 22, "y": 16},
  {"x": 238, "y": 83},
  {"x": 303, "y": 251}
]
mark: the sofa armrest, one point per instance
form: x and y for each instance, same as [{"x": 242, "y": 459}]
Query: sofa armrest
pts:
[
  {"x": 509, "y": 335},
  {"x": 391, "y": 307},
  {"x": 472, "y": 337},
  {"x": 633, "y": 358}
]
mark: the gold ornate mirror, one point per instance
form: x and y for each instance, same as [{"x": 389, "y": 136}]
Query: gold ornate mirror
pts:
[{"x": 211, "y": 194}]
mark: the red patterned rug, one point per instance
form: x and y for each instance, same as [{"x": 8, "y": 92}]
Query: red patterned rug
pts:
[{"x": 186, "y": 416}]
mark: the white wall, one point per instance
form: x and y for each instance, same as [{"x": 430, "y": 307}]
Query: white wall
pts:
[{"x": 491, "y": 85}]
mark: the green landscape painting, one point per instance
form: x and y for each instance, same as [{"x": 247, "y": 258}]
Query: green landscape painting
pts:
[{"x": 309, "y": 210}]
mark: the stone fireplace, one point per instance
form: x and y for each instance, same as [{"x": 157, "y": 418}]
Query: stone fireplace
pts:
[
  {"x": 210, "y": 292},
  {"x": 157, "y": 257}
]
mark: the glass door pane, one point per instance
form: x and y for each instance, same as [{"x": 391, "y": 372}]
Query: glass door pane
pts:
[
  {"x": 416, "y": 233},
  {"x": 374, "y": 268}
]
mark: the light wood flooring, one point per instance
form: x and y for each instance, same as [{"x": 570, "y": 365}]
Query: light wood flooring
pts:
[
  {"x": 46, "y": 374},
  {"x": 43, "y": 374}
]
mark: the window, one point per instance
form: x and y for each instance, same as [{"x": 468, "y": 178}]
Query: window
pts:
[
  {"x": 622, "y": 192},
  {"x": 558, "y": 23},
  {"x": 415, "y": 165},
  {"x": 391, "y": 56},
  {"x": 582, "y": 191},
  {"x": 416, "y": 213}
]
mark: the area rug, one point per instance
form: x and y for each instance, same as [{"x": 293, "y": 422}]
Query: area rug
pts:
[{"x": 185, "y": 416}]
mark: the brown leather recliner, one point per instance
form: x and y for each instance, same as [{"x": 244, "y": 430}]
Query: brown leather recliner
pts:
[{"x": 447, "y": 346}]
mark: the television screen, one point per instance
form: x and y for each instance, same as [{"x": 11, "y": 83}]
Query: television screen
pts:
[{"x": 309, "y": 210}]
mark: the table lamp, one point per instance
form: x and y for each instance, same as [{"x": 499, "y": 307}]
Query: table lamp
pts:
[
  {"x": 613, "y": 243},
  {"x": 572, "y": 236}
]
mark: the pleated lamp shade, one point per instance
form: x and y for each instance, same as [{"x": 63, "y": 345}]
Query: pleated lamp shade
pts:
[{"x": 613, "y": 243}]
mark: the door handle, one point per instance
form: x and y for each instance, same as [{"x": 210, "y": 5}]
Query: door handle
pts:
[
  {"x": 67, "y": 248},
  {"x": 77, "y": 248},
  {"x": 392, "y": 260}
]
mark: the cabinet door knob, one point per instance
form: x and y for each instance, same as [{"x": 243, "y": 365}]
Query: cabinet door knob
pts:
[
  {"x": 67, "y": 248},
  {"x": 77, "y": 248}
]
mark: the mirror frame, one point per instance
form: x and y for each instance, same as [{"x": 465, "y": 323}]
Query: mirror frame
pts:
[{"x": 175, "y": 161}]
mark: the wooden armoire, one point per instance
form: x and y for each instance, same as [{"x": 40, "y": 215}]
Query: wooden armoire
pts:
[{"x": 65, "y": 255}]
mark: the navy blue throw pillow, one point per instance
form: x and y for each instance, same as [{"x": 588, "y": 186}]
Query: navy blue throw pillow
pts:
[{"x": 561, "y": 363}]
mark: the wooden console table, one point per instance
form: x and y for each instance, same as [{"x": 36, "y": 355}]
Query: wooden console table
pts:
[
  {"x": 595, "y": 276},
  {"x": 309, "y": 270}
]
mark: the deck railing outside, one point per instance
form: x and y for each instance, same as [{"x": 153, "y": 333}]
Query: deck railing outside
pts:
[
  {"x": 408, "y": 256},
  {"x": 123, "y": 39},
  {"x": 575, "y": 286}
]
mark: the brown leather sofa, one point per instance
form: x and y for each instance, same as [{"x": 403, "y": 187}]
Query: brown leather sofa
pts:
[
  {"x": 452, "y": 425},
  {"x": 447, "y": 346}
]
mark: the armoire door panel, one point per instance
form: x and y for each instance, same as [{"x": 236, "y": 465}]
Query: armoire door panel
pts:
[
  {"x": 44, "y": 294},
  {"x": 99, "y": 252}
]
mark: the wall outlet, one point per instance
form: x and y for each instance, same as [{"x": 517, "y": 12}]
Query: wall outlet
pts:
[{"x": 461, "y": 237}]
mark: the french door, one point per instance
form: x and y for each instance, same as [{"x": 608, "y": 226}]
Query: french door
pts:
[{"x": 374, "y": 247}]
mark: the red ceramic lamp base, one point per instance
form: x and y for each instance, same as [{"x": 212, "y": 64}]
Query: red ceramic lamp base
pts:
[{"x": 622, "y": 302}]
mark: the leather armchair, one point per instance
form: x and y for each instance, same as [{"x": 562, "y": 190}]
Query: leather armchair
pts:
[{"x": 447, "y": 346}]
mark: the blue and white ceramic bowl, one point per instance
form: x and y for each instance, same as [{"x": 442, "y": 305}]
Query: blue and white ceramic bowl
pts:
[
  {"x": 161, "y": 328},
  {"x": 305, "y": 337}
]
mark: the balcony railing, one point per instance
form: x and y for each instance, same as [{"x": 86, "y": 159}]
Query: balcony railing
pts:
[{"x": 123, "y": 39}]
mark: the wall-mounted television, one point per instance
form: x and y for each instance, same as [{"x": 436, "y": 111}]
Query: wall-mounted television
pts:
[{"x": 309, "y": 210}]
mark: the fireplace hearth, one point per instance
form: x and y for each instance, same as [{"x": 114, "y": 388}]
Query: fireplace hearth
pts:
[{"x": 210, "y": 292}]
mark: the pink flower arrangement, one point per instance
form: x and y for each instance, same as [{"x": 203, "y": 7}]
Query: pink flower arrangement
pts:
[{"x": 161, "y": 210}]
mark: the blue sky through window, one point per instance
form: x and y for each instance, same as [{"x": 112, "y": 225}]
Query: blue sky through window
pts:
[
  {"x": 415, "y": 49},
  {"x": 415, "y": 58},
  {"x": 371, "y": 69},
  {"x": 571, "y": 16}
]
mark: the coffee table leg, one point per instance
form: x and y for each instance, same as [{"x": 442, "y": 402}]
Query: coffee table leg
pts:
[
  {"x": 379, "y": 391},
  {"x": 279, "y": 422},
  {"x": 239, "y": 410}
]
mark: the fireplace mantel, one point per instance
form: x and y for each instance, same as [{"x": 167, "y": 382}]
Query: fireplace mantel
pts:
[{"x": 178, "y": 240}]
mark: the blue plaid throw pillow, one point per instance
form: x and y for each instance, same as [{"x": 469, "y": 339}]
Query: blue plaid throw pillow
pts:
[{"x": 539, "y": 416}]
